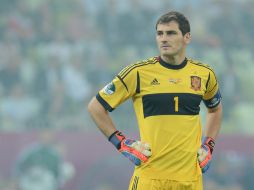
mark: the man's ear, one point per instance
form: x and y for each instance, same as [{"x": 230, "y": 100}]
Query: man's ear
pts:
[{"x": 187, "y": 38}]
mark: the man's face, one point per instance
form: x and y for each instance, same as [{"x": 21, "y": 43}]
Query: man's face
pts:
[{"x": 170, "y": 40}]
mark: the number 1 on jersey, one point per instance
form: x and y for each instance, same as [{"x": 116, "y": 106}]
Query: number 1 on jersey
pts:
[{"x": 176, "y": 100}]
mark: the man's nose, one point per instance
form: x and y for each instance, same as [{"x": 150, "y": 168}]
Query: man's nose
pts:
[{"x": 164, "y": 37}]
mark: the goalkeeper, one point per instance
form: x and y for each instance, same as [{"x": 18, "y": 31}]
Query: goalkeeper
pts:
[{"x": 167, "y": 91}]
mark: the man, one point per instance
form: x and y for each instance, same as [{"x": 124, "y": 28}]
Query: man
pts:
[{"x": 166, "y": 91}]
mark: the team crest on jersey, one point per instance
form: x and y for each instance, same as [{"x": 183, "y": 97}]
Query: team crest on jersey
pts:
[
  {"x": 109, "y": 89},
  {"x": 195, "y": 83}
]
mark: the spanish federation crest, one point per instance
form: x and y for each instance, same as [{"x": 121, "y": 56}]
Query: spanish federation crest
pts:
[{"x": 195, "y": 83}]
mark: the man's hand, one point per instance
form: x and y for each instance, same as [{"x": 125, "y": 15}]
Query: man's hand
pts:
[
  {"x": 136, "y": 151},
  {"x": 205, "y": 153}
]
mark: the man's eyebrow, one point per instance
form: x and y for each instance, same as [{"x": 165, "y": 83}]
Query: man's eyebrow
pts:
[
  {"x": 167, "y": 31},
  {"x": 171, "y": 31}
]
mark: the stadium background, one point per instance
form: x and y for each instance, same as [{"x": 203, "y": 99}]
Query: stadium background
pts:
[{"x": 56, "y": 54}]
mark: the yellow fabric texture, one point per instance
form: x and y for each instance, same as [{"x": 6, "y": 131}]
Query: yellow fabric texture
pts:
[{"x": 166, "y": 102}]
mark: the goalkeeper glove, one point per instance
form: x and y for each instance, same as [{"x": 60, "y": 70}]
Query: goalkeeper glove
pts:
[
  {"x": 135, "y": 151},
  {"x": 205, "y": 153}
]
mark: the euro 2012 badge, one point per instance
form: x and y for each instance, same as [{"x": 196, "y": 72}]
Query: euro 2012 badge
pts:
[{"x": 109, "y": 89}]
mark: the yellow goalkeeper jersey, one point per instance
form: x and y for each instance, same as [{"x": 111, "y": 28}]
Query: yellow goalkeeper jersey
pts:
[{"x": 167, "y": 101}]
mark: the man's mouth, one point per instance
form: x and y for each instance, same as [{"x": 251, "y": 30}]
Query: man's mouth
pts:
[{"x": 165, "y": 46}]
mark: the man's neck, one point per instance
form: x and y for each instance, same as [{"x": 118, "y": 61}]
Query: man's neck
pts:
[{"x": 173, "y": 60}]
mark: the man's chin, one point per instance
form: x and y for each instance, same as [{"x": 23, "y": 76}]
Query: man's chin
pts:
[{"x": 167, "y": 54}]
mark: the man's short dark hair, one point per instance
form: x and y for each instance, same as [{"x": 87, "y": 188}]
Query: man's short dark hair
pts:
[{"x": 184, "y": 25}]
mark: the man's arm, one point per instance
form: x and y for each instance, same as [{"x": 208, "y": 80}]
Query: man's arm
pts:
[
  {"x": 101, "y": 117},
  {"x": 136, "y": 151},
  {"x": 213, "y": 122},
  {"x": 212, "y": 128}
]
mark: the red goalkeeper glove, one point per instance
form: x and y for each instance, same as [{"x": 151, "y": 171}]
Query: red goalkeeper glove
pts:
[
  {"x": 136, "y": 151},
  {"x": 205, "y": 153}
]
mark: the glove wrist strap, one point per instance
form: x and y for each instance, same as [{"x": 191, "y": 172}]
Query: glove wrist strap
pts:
[
  {"x": 116, "y": 139},
  {"x": 209, "y": 141}
]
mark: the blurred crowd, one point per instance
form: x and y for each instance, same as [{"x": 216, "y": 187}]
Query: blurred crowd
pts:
[
  {"x": 230, "y": 171},
  {"x": 55, "y": 55}
]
